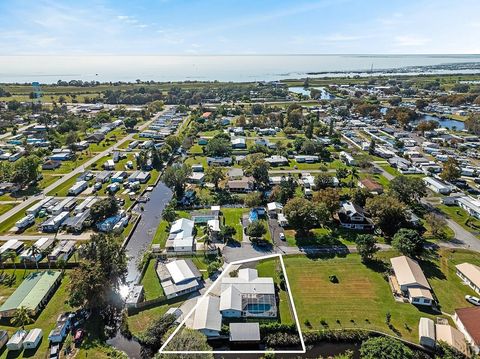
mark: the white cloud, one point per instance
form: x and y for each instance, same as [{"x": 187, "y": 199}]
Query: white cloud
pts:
[{"x": 410, "y": 40}]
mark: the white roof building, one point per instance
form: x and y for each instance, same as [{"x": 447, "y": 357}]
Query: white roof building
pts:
[
  {"x": 248, "y": 295},
  {"x": 181, "y": 236},
  {"x": 208, "y": 319}
]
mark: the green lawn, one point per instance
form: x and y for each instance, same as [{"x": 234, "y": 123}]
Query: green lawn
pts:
[
  {"x": 447, "y": 286},
  {"x": 233, "y": 217},
  {"x": 460, "y": 216},
  {"x": 151, "y": 283},
  {"x": 6, "y": 225},
  {"x": 161, "y": 234},
  {"x": 5, "y": 207},
  {"x": 62, "y": 189},
  {"x": 140, "y": 322},
  {"x": 360, "y": 299},
  {"x": 272, "y": 268}
]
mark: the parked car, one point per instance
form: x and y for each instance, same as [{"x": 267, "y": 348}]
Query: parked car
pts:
[
  {"x": 97, "y": 186},
  {"x": 54, "y": 351},
  {"x": 3, "y": 338},
  {"x": 472, "y": 299},
  {"x": 281, "y": 236}
]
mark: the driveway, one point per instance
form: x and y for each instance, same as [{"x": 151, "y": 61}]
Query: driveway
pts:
[{"x": 275, "y": 230}]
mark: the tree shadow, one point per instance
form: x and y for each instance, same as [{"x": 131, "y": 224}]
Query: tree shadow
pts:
[{"x": 376, "y": 265}]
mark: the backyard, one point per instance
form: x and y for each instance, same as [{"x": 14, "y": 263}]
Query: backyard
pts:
[{"x": 362, "y": 296}]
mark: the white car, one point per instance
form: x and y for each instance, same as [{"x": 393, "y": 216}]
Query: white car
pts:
[
  {"x": 472, "y": 299},
  {"x": 281, "y": 236}
]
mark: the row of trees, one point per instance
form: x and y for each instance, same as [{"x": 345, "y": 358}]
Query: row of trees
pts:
[{"x": 21, "y": 172}]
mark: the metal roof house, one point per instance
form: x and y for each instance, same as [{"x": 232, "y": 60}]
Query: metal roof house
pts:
[
  {"x": 470, "y": 274},
  {"x": 244, "y": 332},
  {"x": 41, "y": 245},
  {"x": 208, "y": 319},
  {"x": 178, "y": 277},
  {"x": 451, "y": 336},
  {"x": 248, "y": 295},
  {"x": 32, "y": 294},
  {"x": 426, "y": 332},
  {"x": 181, "y": 238},
  {"x": 411, "y": 280}
]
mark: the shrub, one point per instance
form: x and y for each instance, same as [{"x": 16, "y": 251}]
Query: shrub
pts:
[{"x": 333, "y": 278}]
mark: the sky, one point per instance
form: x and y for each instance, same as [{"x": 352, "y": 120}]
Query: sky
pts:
[{"x": 218, "y": 27}]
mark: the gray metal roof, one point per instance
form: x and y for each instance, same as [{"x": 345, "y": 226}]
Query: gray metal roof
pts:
[{"x": 247, "y": 332}]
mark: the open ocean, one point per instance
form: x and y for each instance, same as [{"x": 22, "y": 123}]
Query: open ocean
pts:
[{"x": 237, "y": 68}]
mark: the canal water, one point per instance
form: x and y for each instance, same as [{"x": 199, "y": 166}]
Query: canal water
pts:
[
  {"x": 324, "y": 94},
  {"x": 151, "y": 215}
]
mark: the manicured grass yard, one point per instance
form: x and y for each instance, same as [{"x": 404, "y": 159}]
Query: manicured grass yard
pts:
[
  {"x": 360, "y": 299},
  {"x": 232, "y": 218},
  {"x": 140, "y": 322},
  {"x": 441, "y": 274},
  {"x": 6, "y": 225},
  {"x": 460, "y": 216},
  {"x": 62, "y": 189},
  {"x": 5, "y": 207},
  {"x": 151, "y": 283}
]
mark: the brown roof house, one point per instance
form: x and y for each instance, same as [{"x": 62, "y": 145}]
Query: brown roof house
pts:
[
  {"x": 411, "y": 281},
  {"x": 371, "y": 185},
  {"x": 240, "y": 186},
  {"x": 467, "y": 321}
]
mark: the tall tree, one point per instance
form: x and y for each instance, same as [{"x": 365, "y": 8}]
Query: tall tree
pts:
[
  {"x": 408, "y": 242},
  {"x": 387, "y": 212},
  {"x": 366, "y": 246},
  {"x": 451, "y": 170},
  {"x": 102, "y": 271},
  {"x": 176, "y": 177},
  {"x": 330, "y": 197},
  {"x": 409, "y": 190},
  {"x": 255, "y": 165},
  {"x": 214, "y": 174},
  {"x": 22, "y": 317}
]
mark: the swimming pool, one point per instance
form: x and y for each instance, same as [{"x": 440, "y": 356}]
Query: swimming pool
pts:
[{"x": 256, "y": 308}]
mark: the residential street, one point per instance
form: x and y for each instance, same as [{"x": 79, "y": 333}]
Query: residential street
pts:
[{"x": 75, "y": 172}]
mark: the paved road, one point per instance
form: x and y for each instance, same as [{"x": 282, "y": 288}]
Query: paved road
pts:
[
  {"x": 463, "y": 238},
  {"x": 74, "y": 173}
]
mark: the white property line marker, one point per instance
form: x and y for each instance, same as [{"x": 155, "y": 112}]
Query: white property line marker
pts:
[{"x": 226, "y": 270}]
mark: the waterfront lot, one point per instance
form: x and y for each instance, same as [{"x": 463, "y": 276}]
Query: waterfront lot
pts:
[{"x": 363, "y": 297}]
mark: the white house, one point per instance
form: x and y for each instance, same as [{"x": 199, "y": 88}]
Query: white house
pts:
[
  {"x": 181, "y": 236},
  {"x": 436, "y": 185},
  {"x": 426, "y": 332},
  {"x": 411, "y": 281},
  {"x": 248, "y": 295},
  {"x": 469, "y": 204},
  {"x": 178, "y": 277},
  {"x": 207, "y": 318},
  {"x": 470, "y": 274}
]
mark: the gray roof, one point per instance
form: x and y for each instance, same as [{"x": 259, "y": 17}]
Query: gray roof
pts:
[
  {"x": 247, "y": 332},
  {"x": 207, "y": 314}
]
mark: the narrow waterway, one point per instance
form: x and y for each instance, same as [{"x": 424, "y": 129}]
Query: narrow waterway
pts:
[{"x": 151, "y": 215}]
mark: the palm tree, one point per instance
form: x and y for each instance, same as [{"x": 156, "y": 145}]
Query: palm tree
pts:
[
  {"x": 13, "y": 257},
  {"x": 21, "y": 317},
  {"x": 208, "y": 236},
  {"x": 61, "y": 263},
  {"x": 34, "y": 251},
  {"x": 354, "y": 176}
]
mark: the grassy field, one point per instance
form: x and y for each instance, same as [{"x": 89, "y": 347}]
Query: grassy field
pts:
[
  {"x": 233, "y": 217},
  {"x": 151, "y": 283},
  {"x": 5, "y": 207},
  {"x": 6, "y": 225},
  {"x": 62, "y": 189},
  {"x": 460, "y": 216},
  {"x": 45, "y": 321},
  {"x": 363, "y": 297},
  {"x": 139, "y": 322}
]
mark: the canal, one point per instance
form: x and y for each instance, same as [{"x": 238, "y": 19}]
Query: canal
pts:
[{"x": 142, "y": 236}]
